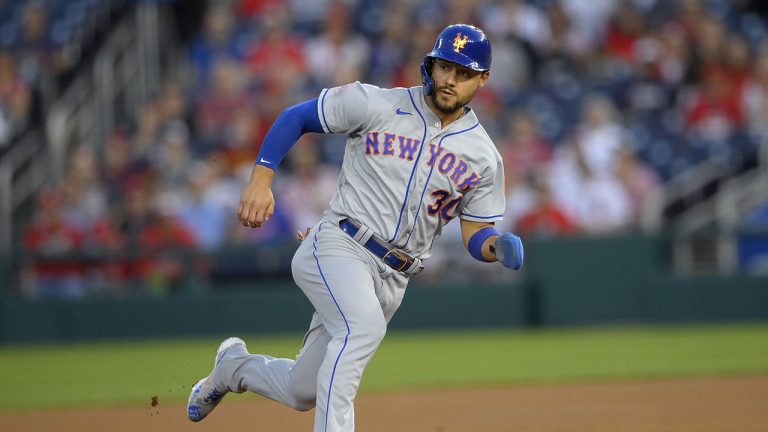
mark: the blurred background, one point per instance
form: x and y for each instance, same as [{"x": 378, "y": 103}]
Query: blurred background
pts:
[{"x": 633, "y": 134}]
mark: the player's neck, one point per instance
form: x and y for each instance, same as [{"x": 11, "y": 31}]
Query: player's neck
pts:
[{"x": 445, "y": 118}]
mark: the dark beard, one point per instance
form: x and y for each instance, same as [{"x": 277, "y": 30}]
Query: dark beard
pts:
[{"x": 448, "y": 109}]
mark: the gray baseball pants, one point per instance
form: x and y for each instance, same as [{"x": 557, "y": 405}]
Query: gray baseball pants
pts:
[{"x": 354, "y": 295}]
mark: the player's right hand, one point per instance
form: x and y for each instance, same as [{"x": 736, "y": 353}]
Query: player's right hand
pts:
[
  {"x": 257, "y": 204},
  {"x": 509, "y": 250}
]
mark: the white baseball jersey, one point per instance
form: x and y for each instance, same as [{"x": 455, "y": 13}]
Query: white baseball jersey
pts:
[{"x": 405, "y": 176}]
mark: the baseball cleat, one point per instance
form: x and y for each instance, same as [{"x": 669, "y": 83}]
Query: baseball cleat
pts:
[{"x": 206, "y": 394}]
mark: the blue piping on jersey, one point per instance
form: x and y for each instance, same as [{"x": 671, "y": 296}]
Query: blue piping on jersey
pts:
[
  {"x": 415, "y": 166},
  {"x": 322, "y": 108},
  {"x": 346, "y": 338},
  {"x": 426, "y": 184},
  {"x": 482, "y": 217}
]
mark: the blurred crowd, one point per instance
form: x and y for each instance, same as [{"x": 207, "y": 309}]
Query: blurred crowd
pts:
[
  {"x": 40, "y": 46},
  {"x": 593, "y": 105}
]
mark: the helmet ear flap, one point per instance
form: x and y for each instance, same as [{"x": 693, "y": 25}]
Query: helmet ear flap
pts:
[{"x": 426, "y": 75}]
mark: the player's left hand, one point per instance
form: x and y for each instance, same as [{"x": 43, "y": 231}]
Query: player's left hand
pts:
[{"x": 509, "y": 250}]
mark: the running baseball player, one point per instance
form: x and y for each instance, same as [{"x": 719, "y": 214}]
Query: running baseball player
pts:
[{"x": 415, "y": 159}]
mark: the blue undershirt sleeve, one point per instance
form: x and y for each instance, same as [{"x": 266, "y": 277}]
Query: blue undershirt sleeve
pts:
[{"x": 290, "y": 125}]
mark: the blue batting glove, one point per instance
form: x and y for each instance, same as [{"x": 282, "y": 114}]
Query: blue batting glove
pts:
[{"x": 509, "y": 250}]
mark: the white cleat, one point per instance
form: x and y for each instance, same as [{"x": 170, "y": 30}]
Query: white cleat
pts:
[{"x": 206, "y": 394}]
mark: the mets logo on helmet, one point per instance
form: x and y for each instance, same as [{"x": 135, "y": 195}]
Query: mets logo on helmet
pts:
[{"x": 458, "y": 43}]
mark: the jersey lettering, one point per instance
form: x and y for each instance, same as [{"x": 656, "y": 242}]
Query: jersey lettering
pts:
[
  {"x": 440, "y": 196},
  {"x": 386, "y": 147},
  {"x": 372, "y": 143},
  {"x": 447, "y": 212},
  {"x": 407, "y": 147},
  {"x": 440, "y": 206},
  {"x": 434, "y": 152},
  {"x": 460, "y": 170},
  {"x": 446, "y": 163},
  {"x": 388, "y": 150},
  {"x": 469, "y": 182}
]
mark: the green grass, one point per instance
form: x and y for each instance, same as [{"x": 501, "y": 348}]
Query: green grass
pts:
[{"x": 99, "y": 374}]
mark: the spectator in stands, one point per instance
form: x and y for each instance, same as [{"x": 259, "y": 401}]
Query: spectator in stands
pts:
[
  {"x": 15, "y": 99},
  {"x": 527, "y": 151},
  {"x": 83, "y": 195},
  {"x": 566, "y": 42},
  {"x": 256, "y": 9},
  {"x": 525, "y": 31},
  {"x": 755, "y": 95},
  {"x": 407, "y": 74},
  {"x": 310, "y": 187},
  {"x": 519, "y": 20},
  {"x": 168, "y": 251},
  {"x": 599, "y": 136},
  {"x": 714, "y": 111},
  {"x": 171, "y": 161},
  {"x": 199, "y": 213},
  {"x": 51, "y": 242},
  {"x": 589, "y": 18},
  {"x": 308, "y": 15},
  {"x": 165, "y": 112},
  {"x": 218, "y": 104},
  {"x": 643, "y": 187},
  {"x": 545, "y": 218},
  {"x": 583, "y": 175},
  {"x": 224, "y": 187},
  {"x": 646, "y": 97},
  {"x": 526, "y": 154},
  {"x": 709, "y": 37},
  {"x": 625, "y": 29},
  {"x": 216, "y": 42},
  {"x": 737, "y": 62},
  {"x": 519, "y": 198},
  {"x": 117, "y": 164},
  {"x": 459, "y": 11},
  {"x": 338, "y": 55},
  {"x": 242, "y": 138},
  {"x": 390, "y": 50},
  {"x": 673, "y": 63},
  {"x": 421, "y": 40},
  {"x": 135, "y": 214},
  {"x": 605, "y": 207},
  {"x": 33, "y": 49},
  {"x": 277, "y": 60}
]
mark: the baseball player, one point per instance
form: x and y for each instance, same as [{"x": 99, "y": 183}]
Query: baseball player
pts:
[{"x": 415, "y": 159}]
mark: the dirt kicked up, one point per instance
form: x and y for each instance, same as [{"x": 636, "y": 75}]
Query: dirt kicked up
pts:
[{"x": 693, "y": 405}]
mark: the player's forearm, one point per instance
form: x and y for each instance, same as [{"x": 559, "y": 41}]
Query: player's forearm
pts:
[{"x": 262, "y": 175}]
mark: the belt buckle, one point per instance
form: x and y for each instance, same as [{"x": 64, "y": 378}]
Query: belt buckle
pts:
[{"x": 400, "y": 254}]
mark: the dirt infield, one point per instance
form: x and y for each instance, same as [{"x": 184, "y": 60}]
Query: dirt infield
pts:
[{"x": 695, "y": 405}]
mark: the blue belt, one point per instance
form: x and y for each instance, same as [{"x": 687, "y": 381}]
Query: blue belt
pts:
[{"x": 390, "y": 255}]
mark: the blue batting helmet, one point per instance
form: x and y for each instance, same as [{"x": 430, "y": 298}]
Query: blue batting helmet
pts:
[{"x": 458, "y": 43}]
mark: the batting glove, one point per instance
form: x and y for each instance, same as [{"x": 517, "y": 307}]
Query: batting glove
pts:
[{"x": 509, "y": 250}]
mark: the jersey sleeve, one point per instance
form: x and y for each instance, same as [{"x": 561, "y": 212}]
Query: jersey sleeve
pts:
[
  {"x": 486, "y": 202},
  {"x": 343, "y": 109}
]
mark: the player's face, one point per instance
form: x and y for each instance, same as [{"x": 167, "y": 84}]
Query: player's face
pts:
[{"x": 455, "y": 85}]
